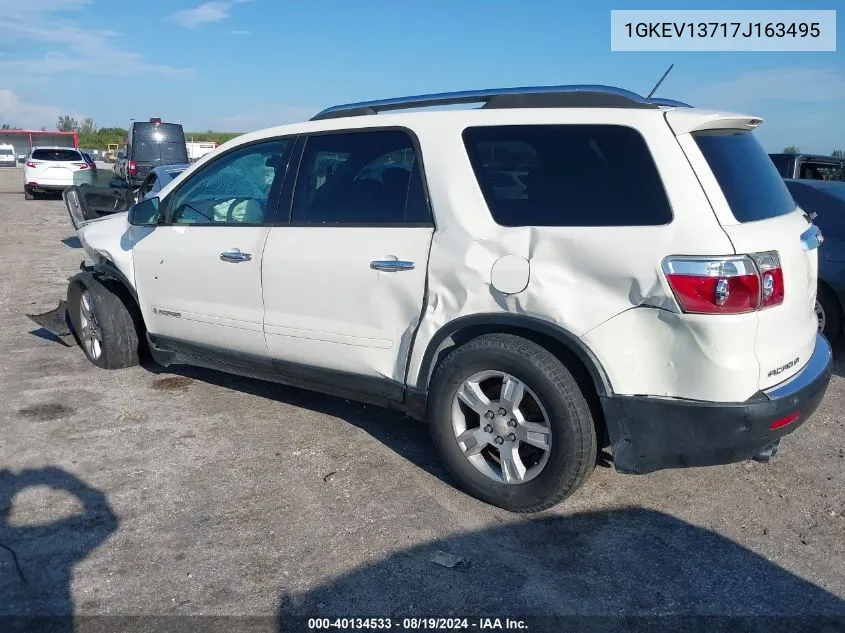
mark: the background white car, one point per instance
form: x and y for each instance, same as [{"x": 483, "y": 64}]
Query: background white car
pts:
[
  {"x": 54, "y": 169},
  {"x": 7, "y": 156}
]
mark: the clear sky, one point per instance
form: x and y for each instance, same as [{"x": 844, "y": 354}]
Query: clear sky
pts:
[{"x": 240, "y": 65}]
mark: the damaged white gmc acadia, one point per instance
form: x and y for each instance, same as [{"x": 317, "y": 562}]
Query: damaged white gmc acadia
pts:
[{"x": 644, "y": 282}]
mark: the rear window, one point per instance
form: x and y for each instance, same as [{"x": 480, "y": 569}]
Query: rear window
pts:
[
  {"x": 62, "y": 155},
  {"x": 567, "y": 175},
  {"x": 161, "y": 132},
  {"x": 750, "y": 181},
  {"x": 9, "y": 152},
  {"x": 166, "y": 152}
]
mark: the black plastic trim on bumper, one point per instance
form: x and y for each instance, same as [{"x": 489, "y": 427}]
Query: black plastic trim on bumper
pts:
[
  {"x": 649, "y": 434},
  {"x": 47, "y": 188}
]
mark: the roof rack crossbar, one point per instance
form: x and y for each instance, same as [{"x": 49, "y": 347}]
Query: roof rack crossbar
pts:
[{"x": 527, "y": 97}]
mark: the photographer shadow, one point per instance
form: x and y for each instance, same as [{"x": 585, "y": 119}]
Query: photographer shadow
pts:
[
  {"x": 615, "y": 570},
  {"x": 37, "y": 560}
]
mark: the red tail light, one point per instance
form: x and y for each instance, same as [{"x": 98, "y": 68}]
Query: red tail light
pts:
[
  {"x": 81, "y": 165},
  {"x": 32, "y": 163},
  {"x": 726, "y": 285},
  {"x": 132, "y": 167},
  {"x": 771, "y": 275}
]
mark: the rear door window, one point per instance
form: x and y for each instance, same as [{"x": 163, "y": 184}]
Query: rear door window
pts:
[
  {"x": 59, "y": 155},
  {"x": 567, "y": 175},
  {"x": 749, "y": 180},
  {"x": 370, "y": 177}
]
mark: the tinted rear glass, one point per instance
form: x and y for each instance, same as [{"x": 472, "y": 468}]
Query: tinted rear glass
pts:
[
  {"x": 567, "y": 175},
  {"x": 64, "y": 155},
  {"x": 750, "y": 181},
  {"x": 167, "y": 152}
]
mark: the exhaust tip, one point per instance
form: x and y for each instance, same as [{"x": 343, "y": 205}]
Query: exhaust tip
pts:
[{"x": 768, "y": 453}]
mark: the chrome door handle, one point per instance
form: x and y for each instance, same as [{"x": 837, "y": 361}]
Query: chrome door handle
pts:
[
  {"x": 235, "y": 256},
  {"x": 391, "y": 265}
]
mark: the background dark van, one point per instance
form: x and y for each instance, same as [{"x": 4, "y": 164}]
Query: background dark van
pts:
[{"x": 152, "y": 144}]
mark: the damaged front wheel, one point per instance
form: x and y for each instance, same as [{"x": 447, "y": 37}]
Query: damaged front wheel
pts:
[{"x": 102, "y": 322}]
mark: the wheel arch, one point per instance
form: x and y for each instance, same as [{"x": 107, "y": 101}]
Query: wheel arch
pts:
[
  {"x": 840, "y": 299},
  {"x": 463, "y": 329},
  {"x": 105, "y": 270},
  {"x": 574, "y": 354}
]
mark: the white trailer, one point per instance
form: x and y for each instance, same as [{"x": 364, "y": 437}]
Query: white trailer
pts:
[{"x": 198, "y": 149}]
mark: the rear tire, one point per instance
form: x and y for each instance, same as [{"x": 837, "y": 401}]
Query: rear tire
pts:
[
  {"x": 104, "y": 321},
  {"x": 829, "y": 312},
  {"x": 28, "y": 194},
  {"x": 548, "y": 394}
]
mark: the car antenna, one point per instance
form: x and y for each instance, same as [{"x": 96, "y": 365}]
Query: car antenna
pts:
[{"x": 657, "y": 85}]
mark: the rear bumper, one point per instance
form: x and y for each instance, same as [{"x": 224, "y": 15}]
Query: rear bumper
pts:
[
  {"x": 649, "y": 434},
  {"x": 47, "y": 187}
]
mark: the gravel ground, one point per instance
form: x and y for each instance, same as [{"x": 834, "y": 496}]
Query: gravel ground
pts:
[{"x": 146, "y": 492}]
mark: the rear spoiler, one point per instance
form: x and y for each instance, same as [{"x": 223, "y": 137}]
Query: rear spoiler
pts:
[{"x": 686, "y": 121}]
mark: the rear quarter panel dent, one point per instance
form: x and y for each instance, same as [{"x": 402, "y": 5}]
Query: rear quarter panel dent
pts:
[{"x": 580, "y": 277}]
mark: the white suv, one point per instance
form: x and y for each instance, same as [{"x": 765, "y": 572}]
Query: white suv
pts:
[
  {"x": 54, "y": 169},
  {"x": 650, "y": 289},
  {"x": 7, "y": 156}
]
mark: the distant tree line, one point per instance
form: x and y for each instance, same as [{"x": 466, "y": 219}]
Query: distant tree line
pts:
[
  {"x": 837, "y": 153},
  {"x": 92, "y": 137}
]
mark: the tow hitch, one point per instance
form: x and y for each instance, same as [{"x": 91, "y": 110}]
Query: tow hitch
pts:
[{"x": 57, "y": 322}]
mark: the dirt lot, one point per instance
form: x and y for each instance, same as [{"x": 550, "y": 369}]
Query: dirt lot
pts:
[{"x": 145, "y": 492}]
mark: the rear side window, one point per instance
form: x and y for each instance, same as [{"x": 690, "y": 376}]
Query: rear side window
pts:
[
  {"x": 750, "y": 181},
  {"x": 567, "y": 175},
  {"x": 62, "y": 155}
]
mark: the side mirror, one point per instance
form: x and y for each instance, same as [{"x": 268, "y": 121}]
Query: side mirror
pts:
[{"x": 145, "y": 213}]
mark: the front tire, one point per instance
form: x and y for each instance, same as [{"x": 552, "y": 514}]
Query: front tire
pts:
[
  {"x": 102, "y": 320},
  {"x": 511, "y": 423}
]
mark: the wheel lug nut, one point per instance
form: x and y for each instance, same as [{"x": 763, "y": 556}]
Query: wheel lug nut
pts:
[
  {"x": 502, "y": 411},
  {"x": 488, "y": 429},
  {"x": 511, "y": 437},
  {"x": 489, "y": 415},
  {"x": 512, "y": 423},
  {"x": 499, "y": 440}
]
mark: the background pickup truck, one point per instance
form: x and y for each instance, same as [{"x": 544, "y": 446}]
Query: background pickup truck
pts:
[{"x": 809, "y": 166}]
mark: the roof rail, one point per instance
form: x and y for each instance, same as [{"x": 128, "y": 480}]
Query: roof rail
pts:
[
  {"x": 584, "y": 96},
  {"x": 669, "y": 102}
]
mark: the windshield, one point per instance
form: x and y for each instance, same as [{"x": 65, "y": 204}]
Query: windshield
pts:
[
  {"x": 7, "y": 152},
  {"x": 749, "y": 179},
  {"x": 60, "y": 155},
  {"x": 782, "y": 163}
]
